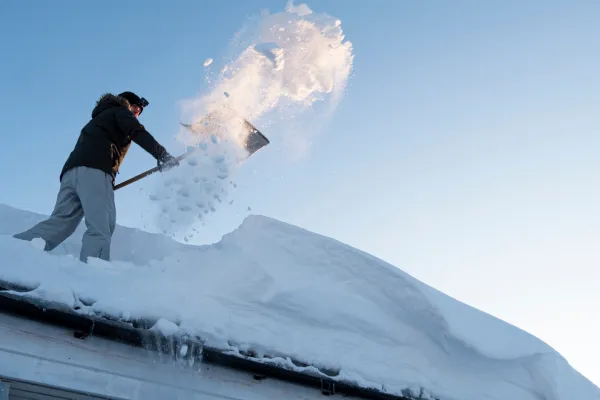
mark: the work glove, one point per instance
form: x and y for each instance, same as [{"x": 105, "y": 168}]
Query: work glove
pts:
[{"x": 167, "y": 162}]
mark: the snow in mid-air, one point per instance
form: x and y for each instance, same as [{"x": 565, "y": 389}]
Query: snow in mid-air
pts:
[{"x": 284, "y": 64}]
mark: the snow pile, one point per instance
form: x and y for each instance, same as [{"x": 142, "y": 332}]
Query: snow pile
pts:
[
  {"x": 280, "y": 291},
  {"x": 285, "y": 65}
]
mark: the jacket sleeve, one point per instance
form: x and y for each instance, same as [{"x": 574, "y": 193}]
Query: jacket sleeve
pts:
[{"x": 136, "y": 131}]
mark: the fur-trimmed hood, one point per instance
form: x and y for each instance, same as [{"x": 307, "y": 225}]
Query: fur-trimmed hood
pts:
[{"x": 109, "y": 100}]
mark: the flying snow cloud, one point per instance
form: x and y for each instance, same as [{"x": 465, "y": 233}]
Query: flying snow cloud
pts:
[
  {"x": 291, "y": 58},
  {"x": 288, "y": 72}
]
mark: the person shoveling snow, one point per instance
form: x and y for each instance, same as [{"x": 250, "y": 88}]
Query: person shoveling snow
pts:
[{"x": 88, "y": 176}]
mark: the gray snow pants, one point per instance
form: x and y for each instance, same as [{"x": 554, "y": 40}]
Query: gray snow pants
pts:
[{"x": 83, "y": 192}]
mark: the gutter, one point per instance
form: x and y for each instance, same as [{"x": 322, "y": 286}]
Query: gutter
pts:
[{"x": 190, "y": 349}]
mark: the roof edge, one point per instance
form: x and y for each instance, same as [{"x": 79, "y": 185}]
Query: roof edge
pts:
[{"x": 181, "y": 347}]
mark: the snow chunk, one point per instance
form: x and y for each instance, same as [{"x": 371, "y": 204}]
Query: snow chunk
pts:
[
  {"x": 183, "y": 350},
  {"x": 208, "y": 61},
  {"x": 164, "y": 327},
  {"x": 39, "y": 243},
  {"x": 301, "y": 9},
  {"x": 272, "y": 52}
]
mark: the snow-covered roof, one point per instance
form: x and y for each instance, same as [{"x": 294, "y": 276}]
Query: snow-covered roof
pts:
[{"x": 274, "y": 289}]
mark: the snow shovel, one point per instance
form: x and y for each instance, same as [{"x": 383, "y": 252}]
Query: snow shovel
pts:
[{"x": 254, "y": 142}]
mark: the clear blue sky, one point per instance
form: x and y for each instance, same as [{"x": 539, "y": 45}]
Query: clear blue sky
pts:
[{"x": 466, "y": 151}]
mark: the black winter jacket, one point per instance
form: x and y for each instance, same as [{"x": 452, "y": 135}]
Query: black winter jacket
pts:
[{"x": 105, "y": 139}]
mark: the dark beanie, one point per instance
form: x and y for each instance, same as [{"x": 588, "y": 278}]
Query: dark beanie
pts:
[{"x": 133, "y": 98}]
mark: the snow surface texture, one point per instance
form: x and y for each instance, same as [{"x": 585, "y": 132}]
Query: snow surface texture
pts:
[
  {"x": 278, "y": 290},
  {"x": 285, "y": 66}
]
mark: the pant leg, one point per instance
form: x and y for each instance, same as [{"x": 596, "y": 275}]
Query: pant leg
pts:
[
  {"x": 95, "y": 190},
  {"x": 65, "y": 217}
]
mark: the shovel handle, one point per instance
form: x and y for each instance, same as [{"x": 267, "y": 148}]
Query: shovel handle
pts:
[{"x": 146, "y": 173}]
